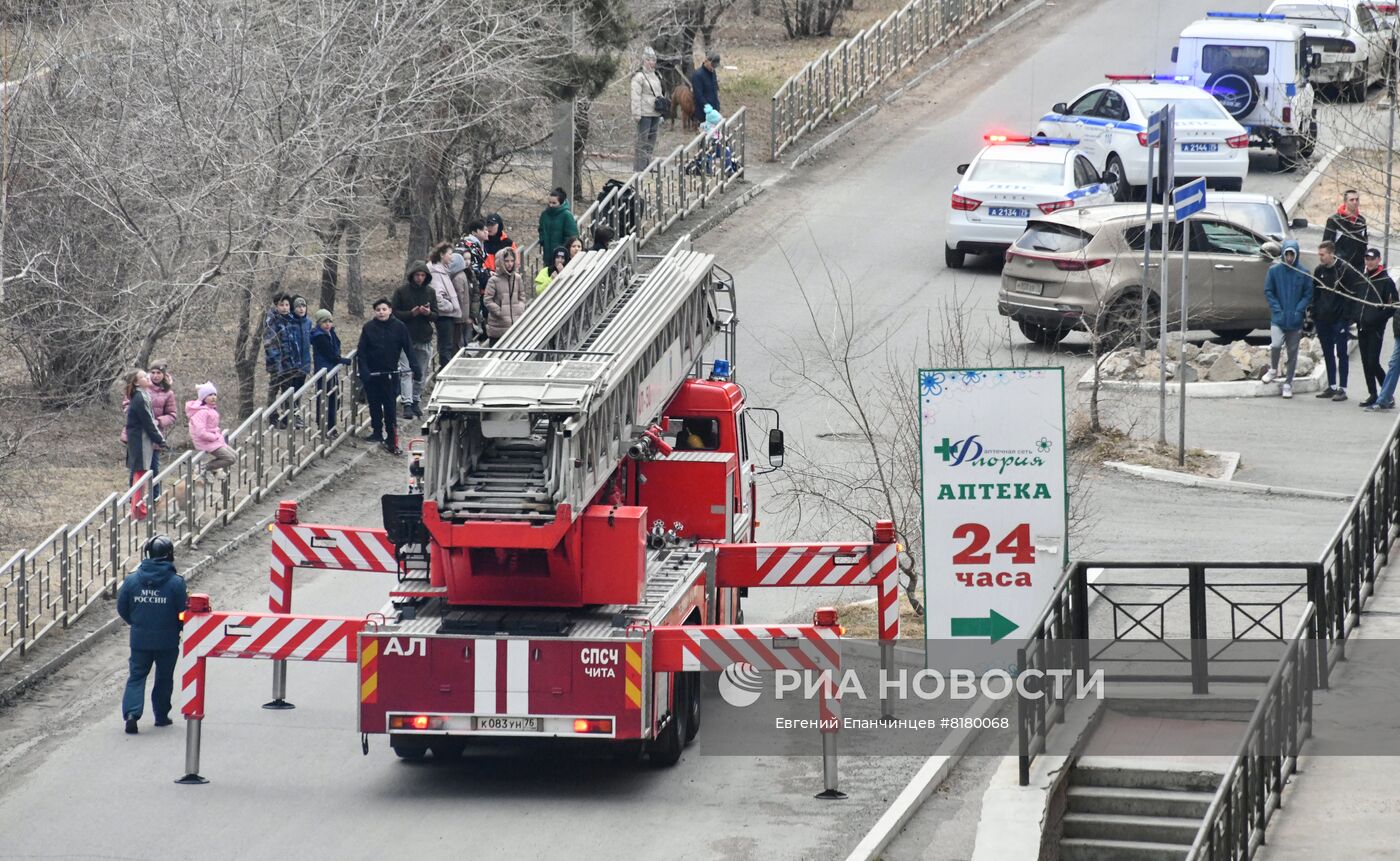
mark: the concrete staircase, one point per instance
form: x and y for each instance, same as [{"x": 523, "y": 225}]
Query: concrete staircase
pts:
[{"x": 1134, "y": 810}]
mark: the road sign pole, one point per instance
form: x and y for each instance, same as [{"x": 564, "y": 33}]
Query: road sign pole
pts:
[
  {"x": 1146, "y": 258},
  {"x": 1181, "y": 346},
  {"x": 1168, "y": 174}
]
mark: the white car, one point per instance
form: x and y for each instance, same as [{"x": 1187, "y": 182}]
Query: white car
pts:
[
  {"x": 1011, "y": 179},
  {"x": 1110, "y": 121},
  {"x": 1350, "y": 36}
]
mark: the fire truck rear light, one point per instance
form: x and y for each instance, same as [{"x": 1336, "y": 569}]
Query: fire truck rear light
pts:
[
  {"x": 884, "y": 531},
  {"x": 197, "y": 603},
  {"x": 416, "y": 722},
  {"x": 825, "y": 617},
  {"x": 1242, "y": 141},
  {"x": 585, "y": 726}
]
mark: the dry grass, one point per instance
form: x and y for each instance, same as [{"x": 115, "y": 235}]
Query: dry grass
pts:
[
  {"x": 1354, "y": 168},
  {"x": 859, "y": 621},
  {"x": 1116, "y": 445}
]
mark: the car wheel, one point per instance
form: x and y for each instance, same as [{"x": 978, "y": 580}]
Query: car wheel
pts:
[
  {"x": 1045, "y": 336},
  {"x": 1119, "y": 323},
  {"x": 411, "y": 749},
  {"x": 1356, "y": 90},
  {"x": 1231, "y": 335},
  {"x": 692, "y": 725},
  {"x": 953, "y": 258},
  {"x": 1122, "y": 190},
  {"x": 665, "y": 750}
]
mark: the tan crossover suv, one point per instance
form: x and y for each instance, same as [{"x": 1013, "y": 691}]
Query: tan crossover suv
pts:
[{"x": 1081, "y": 269}]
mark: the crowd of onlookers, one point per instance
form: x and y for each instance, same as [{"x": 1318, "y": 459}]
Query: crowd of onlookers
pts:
[
  {"x": 1348, "y": 294},
  {"x": 468, "y": 292}
]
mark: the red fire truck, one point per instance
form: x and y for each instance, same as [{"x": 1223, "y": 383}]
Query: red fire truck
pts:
[{"x": 579, "y": 539}]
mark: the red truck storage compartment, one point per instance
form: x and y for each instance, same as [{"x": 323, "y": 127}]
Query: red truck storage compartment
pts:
[{"x": 614, "y": 554}]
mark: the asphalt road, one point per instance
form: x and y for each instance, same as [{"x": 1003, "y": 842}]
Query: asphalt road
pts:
[{"x": 861, "y": 230}]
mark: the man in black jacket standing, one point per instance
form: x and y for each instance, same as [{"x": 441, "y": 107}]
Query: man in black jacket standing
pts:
[
  {"x": 1346, "y": 229},
  {"x": 382, "y": 341},
  {"x": 1378, "y": 298},
  {"x": 415, "y": 304},
  {"x": 1334, "y": 310},
  {"x": 704, "y": 85}
]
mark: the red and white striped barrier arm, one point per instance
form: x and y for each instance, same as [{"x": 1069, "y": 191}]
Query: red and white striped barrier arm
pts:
[
  {"x": 265, "y": 636},
  {"x": 867, "y": 564},
  {"x": 692, "y": 648},
  {"x": 330, "y": 548}
]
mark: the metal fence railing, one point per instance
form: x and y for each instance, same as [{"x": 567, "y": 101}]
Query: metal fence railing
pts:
[
  {"x": 1252, "y": 787},
  {"x": 837, "y": 78},
  {"x": 60, "y": 578},
  {"x": 669, "y": 189}
]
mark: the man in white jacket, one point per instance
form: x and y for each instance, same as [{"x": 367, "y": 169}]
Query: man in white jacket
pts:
[
  {"x": 646, "y": 89},
  {"x": 448, "y": 302}
]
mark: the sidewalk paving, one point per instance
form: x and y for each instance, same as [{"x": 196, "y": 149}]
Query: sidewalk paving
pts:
[{"x": 1349, "y": 806}]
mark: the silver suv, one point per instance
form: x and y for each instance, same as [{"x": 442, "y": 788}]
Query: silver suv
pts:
[{"x": 1082, "y": 270}]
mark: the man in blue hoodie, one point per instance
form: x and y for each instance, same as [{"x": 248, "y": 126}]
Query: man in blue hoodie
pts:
[
  {"x": 151, "y": 600},
  {"x": 1288, "y": 287}
]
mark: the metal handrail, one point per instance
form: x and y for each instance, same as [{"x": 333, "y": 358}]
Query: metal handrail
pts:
[
  {"x": 1243, "y": 828},
  {"x": 54, "y": 583},
  {"x": 669, "y": 189},
  {"x": 845, "y": 73}
]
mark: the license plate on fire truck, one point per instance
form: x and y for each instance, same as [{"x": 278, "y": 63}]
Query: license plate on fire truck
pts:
[{"x": 506, "y": 724}]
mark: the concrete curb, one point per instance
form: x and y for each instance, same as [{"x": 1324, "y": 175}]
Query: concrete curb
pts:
[
  {"x": 932, "y": 773},
  {"x": 1314, "y": 382},
  {"x": 1296, "y": 196},
  {"x": 1155, "y": 474},
  {"x": 729, "y": 208},
  {"x": 889, "y": 98},
  {"x": 90, "y": 639}
]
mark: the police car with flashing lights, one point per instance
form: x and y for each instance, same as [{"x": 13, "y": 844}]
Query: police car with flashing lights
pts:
[
  {"x": 1011, "y": 179},
  {"x": 1110, "y": 122}
]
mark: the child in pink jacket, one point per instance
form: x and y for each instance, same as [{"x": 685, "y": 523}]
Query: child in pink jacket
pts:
[{"x": 203, "y": 415}]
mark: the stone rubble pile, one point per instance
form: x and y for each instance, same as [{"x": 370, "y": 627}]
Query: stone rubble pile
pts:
[{"x": 1212, "y": 363}]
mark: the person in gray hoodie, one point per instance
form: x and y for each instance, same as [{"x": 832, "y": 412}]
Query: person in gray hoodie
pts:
[{"x": 1288, "y": 287}]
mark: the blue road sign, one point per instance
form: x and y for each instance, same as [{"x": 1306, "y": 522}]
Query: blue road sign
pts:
[
  {"x": 1188, "y": 199},
  {"x": 1154, "y": 126}
]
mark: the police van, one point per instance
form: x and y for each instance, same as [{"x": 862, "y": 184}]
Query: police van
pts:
[{"x": 1258, "y": 66}]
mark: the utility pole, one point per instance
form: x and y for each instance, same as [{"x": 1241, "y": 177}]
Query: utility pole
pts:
[
  {"x": 1390, "y": 89},
  {"x": 563, "y": 138}
]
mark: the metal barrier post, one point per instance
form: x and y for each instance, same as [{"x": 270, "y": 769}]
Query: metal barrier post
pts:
[
  {"x": 886, "y": 664},
  {"x": 65, "y": 573},
  {"x": 832, "y": 791},
  {"x": 192, "y": 729},
  {"x": 1023, "y": 740},
  {"x": 279, "y": 688}
]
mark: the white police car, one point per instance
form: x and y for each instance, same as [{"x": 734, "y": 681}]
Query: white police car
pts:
[
  {"x": 1011, "y": 179},
  {"x": 1110, "y": 122}
]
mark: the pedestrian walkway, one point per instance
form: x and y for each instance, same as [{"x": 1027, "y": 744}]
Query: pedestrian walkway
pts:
[{"x": 1346, "y": 806}]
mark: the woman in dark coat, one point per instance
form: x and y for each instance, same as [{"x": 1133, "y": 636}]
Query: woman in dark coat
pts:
[{"x": 143, "y": 436}]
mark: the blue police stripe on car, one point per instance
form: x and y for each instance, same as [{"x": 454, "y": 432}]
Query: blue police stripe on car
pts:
[
  {"x": 1093, "y": 121},
  {"x": 1085, "y": 192}
]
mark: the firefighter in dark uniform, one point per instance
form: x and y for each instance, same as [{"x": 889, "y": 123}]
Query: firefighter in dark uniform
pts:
[{"x": 151, "y": 600}]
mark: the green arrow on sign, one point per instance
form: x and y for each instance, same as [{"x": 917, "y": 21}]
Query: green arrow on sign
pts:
[{"x": 995, "y": 626}]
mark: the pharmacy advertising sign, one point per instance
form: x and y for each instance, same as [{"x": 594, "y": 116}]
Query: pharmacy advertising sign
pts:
[{"x": 995, "y": 504}]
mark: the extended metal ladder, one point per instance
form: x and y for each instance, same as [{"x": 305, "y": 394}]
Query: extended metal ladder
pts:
[{"x": 543, "y": 418}]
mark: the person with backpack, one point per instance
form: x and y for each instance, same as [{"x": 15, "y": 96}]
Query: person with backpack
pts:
[
  {"x": 649, "y": 105},
  {"x": 150, "y": 600}
]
